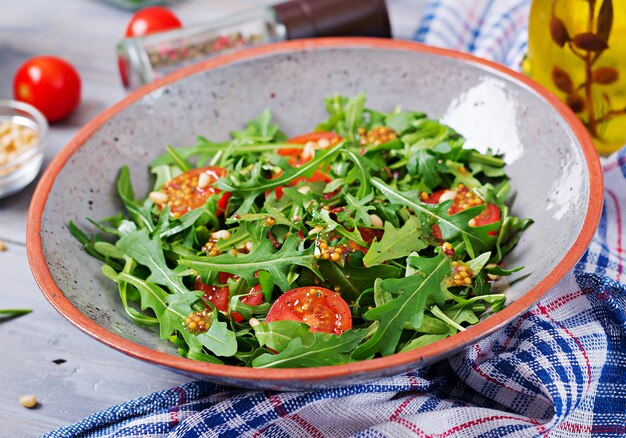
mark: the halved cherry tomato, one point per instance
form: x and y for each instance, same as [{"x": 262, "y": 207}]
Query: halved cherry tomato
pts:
[
  {"x": 316, "y": 177},
  {"x": 254, "y": 298},
  {"x": 298, "y": 159},
  {"x": 368, "y": 235},
  {"x": 150, "y": 20},
  {"x": 489, "y": 215},
  {"x": 434, "y": 197},
  {"x": 322, "y": 309},
  {"x": 330, "y": 138},
  {"x": 217, "y": 295},
  {"x": 184, "y": 194}
]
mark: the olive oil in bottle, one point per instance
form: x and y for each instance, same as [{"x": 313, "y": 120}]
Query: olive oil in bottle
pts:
[{"x": 577, "y": 49}]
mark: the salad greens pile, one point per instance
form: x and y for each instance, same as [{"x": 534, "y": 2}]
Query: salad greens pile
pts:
[{"x": 385, "y": 196}]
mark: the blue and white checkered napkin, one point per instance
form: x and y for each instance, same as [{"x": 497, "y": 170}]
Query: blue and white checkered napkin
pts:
[{"x": 559, "y": 369}]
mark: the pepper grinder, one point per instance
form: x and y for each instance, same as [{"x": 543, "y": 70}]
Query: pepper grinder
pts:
[{"x": 144, "y": 59}]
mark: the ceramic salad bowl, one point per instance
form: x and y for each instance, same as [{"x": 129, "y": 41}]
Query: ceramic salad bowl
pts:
[{"x": 552, "y": 165}]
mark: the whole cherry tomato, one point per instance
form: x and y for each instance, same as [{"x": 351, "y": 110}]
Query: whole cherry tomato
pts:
[
  {"x": 150, "y": 20},
  {"x": 50, "y": 84}
]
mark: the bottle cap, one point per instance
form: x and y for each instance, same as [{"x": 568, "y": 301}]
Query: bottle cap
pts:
[{"x": 324, "y": 18}]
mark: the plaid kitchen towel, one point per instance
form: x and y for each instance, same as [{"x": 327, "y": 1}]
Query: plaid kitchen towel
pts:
[{"x": 559, "y": 369}]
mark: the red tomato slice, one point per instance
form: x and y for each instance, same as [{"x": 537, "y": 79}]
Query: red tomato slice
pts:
[
  {"x": 217, "y": 295},
  {"x": 224, "y": 276},
  {"x": 254, "y": 299},
  {"x": 298, "y": 160},
  {"x": 433, "y": 198},
  {"x": 322, "y": 309},
  {"x": 330, "y": 137},
  {"x": 318, "y": 176},
  {"x": 489, "y": 215},
  {"x": 367, "y": 234},
  {"x": 184, "y": 194}
]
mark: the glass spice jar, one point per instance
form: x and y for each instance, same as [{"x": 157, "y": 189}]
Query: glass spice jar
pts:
[
  {"x": 577, "y": 49},
  {"x": 144, "y": 59}
]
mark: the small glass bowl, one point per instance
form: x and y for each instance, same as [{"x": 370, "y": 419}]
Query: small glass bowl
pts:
[{"x": 22, "y": 169}]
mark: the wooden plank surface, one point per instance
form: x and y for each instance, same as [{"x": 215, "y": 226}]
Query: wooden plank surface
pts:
[{"x": 87, "y": 376}]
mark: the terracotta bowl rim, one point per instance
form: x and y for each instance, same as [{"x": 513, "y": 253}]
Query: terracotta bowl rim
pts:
[{"x": 428, "y": 353}]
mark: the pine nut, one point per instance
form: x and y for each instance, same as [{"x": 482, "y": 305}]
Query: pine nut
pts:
[
  {"x": 316, "y": 230},
  {"x": 376, "y": 221},
  {"x": 28, "y": 401},
  {"x": 203, "y": 180},
  {"x": 323, "y": 143},
  {"x": 158, "y": 197},
  {"x": 221, "y": 234},
  {"x": 309, "y": 151},
  {"x": 447, "y": 195}
]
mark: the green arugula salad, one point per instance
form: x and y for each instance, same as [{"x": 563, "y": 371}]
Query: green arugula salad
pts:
[{"x": 375, "y": 233}]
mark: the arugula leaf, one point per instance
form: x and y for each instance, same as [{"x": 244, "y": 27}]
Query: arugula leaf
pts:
[
  {"x": 218, "y": 339},
  {"x": 13, "y": 313},
  {"x": 170, "y": 309},
  {"x": 316, "y": 349},
  {"x": 395, "y": 243},
  {"x": 354, "y": 116},
  {"x": 85, "y": 240},
  {"x": 427, "y": 166},
  {"x": 259, "y": 130},
  {"x": 359, "y": 173},
  {"x": 421, "y": 341},
  {"x": 332, "y": 225},
  {"x": 402, "y": 121},
  {"x": 180, "y": 162},
  {"x": 360, "y": 208},
  {"x": 436, "y": 311},
  {"x": 346, "y": 116},
  {"x": 189, "y": 219},
  {"x": 497, "y": 270},
  {"x": 476, "y": 264},
  {"x": 278, "y": 334},
  {"x": 246, "y": 310},
  {"x": 122, "y": 286},
  {"x": 149, "y": 252},
  {"x": 140, "y": 214},
  {"x": 267, "y": 285},
  {"x": 381, "y": 296},
  {"x": 262, "y": 258},
  {"x": 108, "y": 250},
  {"x": 353, "y": 279},
  {"x": 255, "y": 184},
  {"x": 414, "y": 294},
  {"x": 163, "y": 173}
]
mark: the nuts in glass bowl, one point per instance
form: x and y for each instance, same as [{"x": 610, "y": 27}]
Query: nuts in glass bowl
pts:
[{"x": 22, "y": 134}]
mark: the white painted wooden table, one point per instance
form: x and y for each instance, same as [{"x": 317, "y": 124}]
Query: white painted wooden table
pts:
[{"x": 71, "y": 374}]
